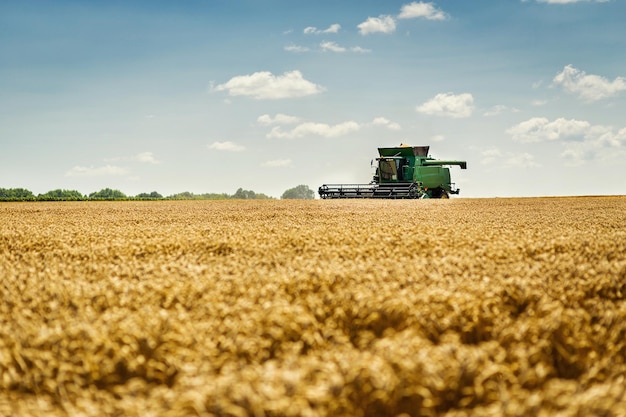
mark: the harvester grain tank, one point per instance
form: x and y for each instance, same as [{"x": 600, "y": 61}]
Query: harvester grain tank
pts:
[{"x": 401, "y": 172}]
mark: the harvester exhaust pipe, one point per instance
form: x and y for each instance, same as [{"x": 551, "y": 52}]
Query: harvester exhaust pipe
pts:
[{"x": 462, "y": 164}]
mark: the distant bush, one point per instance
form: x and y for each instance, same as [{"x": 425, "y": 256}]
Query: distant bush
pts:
[
  {"x": 242, "y": 194},
  {"x": 108, "y": 194},
  {"x": 149, "y": 196},
  {"x": 301, "y": 192},
  {"x": 191, "y": 196},
  {"x": 61, "y": 195},
  {"x": 21, "y": 194},
  {"x": 16, "y": 194}
]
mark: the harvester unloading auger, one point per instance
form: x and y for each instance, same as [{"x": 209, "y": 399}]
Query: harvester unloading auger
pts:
[{"x": 401, "y": 172}]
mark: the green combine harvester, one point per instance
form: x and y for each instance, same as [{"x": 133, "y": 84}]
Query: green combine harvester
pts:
[{"x": 402, "y": 172}]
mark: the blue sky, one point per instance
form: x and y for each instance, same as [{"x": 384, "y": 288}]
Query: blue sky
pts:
[{"x": 210, "y": 96}]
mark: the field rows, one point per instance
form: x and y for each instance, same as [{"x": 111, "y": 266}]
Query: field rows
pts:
[{"x": 463, "y": 307}]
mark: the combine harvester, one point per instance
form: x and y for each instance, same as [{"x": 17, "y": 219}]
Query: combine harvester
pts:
[{"x": 401, "y": 172}]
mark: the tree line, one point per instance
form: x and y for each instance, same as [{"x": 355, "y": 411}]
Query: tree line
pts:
[{"x": 21, "y": 194}]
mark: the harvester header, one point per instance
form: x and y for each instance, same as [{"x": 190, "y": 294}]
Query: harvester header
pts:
[{"x": 401, "y": 172}]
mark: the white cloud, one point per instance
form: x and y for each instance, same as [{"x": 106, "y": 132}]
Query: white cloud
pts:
[
  {"x": 305, "y": 128},
  {"x": 334, "y": 28},
  {"x": 328, "y": 46},
  {"x": 539, "y": 129},
  {"x": 581, "y": 140},
  {"x": 277, "y": 163},
  {"x": 280, "y": 118},
  {"x": 601, "y": 143},
  {"x": 146, "y": 157},
  {"x": 335, "y": 47},
  {"x": 449, "y": 105},
  {"x": 382, "y": 121},
  {"x": 574, "y": 156},
  {"x": 382, "y": 24},
  {"x": 495, "y": 157},
  {"x": 522, "y": 160},
  {"x": 107, "y": 170},
  {"x": 588, "y": 87},
  {"x": 332, "y": 46},
  {"x": 360, "y": 50},
  {"x": 495, "y": 110},
  {"x": 421, "y": 10},
  {"x": 312, "y": 30},
  {"x": 226, "y": 146},
  {"x": 266, "y": 86},
  {"x": 296, "y": 48},
  {"x": 489, "y": 156},
  {"x": 606, "y": 136},
  {"x": 315, "y": 129}
]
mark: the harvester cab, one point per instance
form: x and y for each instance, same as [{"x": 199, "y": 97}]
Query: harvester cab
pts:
[{"x": 401, "y": 172}]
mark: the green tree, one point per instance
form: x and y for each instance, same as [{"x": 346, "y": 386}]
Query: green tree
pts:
[
  {"x": 185, "y": 195},
  {"x": 301, "y": 192},
  {"x": 108, "y": 194},
  {"x": 16, "y": 194},
  {"x": 242, "y": 194},
  {"x": 149, "y": 196},
  {"x": 214, "y": 196},
  {"x": 61, "y": 195}
]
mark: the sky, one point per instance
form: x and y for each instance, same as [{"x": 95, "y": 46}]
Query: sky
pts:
[{"x": 208, "y": 96}]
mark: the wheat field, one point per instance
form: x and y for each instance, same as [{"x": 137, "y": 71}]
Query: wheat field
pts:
[{"x": 461, "y": 307}]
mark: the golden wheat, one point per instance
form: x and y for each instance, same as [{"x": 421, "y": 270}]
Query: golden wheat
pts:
[{"x": 466, "y": 307}]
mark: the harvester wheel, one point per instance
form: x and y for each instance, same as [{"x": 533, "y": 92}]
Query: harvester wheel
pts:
[{"x": 444, "y": 194}]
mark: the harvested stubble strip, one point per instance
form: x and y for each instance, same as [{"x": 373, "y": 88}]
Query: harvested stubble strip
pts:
[{"x": 459, "y": 307}]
